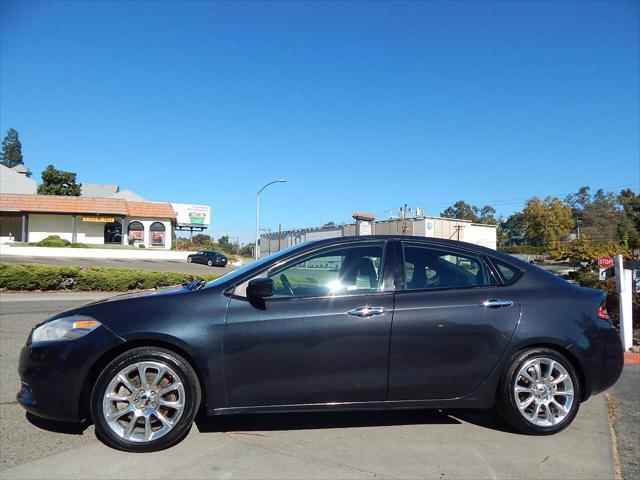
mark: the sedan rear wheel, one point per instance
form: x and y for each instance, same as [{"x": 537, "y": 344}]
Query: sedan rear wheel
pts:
[
  {"x": 189, "y": 259},
  {"x": 540, "y": 392},
  {"x": 210, "y": 263},
  {"x": 145, "y": 400}
]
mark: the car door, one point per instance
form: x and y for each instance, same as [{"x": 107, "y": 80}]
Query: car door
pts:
[
  {"x": 452, "y": 323},
  {"x": 322, "y": 338}
]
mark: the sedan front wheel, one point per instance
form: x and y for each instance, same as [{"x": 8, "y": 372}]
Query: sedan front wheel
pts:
[{"x": 145, "y": 400}]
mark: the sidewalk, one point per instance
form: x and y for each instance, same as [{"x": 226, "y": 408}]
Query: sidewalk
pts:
[
  {"x": 627, "y": 423},
  {"x": 63, "y": 296},
  {"x": 51, "y": 252}
]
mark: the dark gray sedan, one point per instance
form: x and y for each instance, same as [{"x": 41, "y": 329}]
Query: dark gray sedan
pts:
[
  {"x": 377, "y": 322},
  {"x": 208, "y": 257}
]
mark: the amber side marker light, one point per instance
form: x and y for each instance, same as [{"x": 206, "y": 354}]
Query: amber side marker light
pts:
[{"x": 88, "y": 323}]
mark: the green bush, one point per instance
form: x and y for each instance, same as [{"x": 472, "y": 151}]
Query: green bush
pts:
[
  {"x": 36, "y": 277},
  {"x": 54, "y": 241},
  {"x": 50, "y": 277},
  {"x": 79, "y": 245},
  {"x": 522, "y": 249}
]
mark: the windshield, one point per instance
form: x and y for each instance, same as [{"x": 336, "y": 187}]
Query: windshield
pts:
[{"x": 254, "y": 265}]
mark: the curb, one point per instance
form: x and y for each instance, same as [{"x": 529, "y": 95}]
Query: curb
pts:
[{"x": 630, "y": 357}]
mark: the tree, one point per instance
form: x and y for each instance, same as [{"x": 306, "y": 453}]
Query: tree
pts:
[
  {"x": 202, "y": 239},
  {"x": 512, "y": 227},
  {"x": 11, "y": 150},
  {"x": 487, "y": 215},
  {"x": 629, "y": 224},
  {"x": 247, "y": 250},
  {"x": 546, "y": 221},
  {"x": 59, "y": 182},
  {"x": 461, "y": 210},
  {"x": 600, "y": 218},
  {"x": 580, "y": 200},
  {"x": 584, "y": 250},
  {"x": 226, "y": 245}
]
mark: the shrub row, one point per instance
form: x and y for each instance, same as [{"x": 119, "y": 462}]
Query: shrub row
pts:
[
  {"x": 51, "y": 241},
  {"x": 50, "y": 277},
  {"x": 523, "y": 249}
]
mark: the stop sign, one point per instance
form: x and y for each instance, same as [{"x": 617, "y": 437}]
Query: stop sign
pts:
[{"x": 605, "y": 261}]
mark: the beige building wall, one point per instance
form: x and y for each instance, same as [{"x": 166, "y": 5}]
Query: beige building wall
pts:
[
  {"x": 89, "y": 232},
  {"x": 42, "y": 225},
  {"x": 484, "y": 235}
]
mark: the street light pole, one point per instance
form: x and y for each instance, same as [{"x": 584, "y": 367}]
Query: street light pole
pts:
[{"x": 256, "y": 249}]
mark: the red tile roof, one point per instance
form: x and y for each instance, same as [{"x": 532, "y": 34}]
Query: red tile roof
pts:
[{"x": 75, "y": 205}]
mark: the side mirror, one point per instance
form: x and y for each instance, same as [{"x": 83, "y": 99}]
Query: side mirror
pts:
[{"x": 260, "y": 288}]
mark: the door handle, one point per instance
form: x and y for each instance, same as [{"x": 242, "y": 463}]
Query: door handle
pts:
[
  {"x": 365, "y": 312},
  {"x": 496, "y": 303}
]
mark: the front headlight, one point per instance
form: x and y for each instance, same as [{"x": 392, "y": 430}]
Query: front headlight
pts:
[{"x": 65, "y": 328}]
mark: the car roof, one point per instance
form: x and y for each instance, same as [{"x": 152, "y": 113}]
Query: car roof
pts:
[{"x": 441, "y": 242}]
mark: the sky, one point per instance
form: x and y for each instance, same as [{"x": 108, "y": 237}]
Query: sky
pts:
[{"x": 360, "y": 106}]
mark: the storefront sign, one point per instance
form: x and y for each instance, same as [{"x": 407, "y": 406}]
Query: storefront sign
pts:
[{"x": 99, "y": 219}]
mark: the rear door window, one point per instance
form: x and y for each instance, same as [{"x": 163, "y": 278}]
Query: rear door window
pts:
[
  {"x": 427, "y": 267},
  {"x": 509, "y": 273}
]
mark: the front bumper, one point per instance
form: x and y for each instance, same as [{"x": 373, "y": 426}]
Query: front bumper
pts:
[{"x": 54, "y": 374}]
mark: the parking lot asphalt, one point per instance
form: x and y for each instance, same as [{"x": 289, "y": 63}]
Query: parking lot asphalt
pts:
[
  {"x": 401, "y": 444},
  {"x": 159, "y": 265}
]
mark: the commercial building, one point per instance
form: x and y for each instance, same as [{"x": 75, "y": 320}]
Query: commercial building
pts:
[
  {"x": 31, "y": 218},
  {"x": 102, "y": 214},
  {"x": 365, "y": 224},
  {"x": 16, "y": 180}
]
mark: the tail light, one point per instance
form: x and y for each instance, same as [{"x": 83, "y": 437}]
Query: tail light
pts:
[{"x": 602, "y": 312}]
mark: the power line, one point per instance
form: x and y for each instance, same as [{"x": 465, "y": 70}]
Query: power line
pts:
[{"x": 517, "y": 201}]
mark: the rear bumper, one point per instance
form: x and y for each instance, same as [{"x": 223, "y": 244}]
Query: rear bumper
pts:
[
  {"x": 53, "y": 375},
  {"x": 600, "y": 353}
]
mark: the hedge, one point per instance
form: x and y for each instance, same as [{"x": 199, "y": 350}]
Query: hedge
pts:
[
  {"x": 50, "y": 277},
  {"x": 54, "y": 241},
  {"x": 523, "y": 249}
]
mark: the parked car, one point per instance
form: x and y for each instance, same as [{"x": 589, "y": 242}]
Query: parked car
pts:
[
  {"x": 353, "y": 323},
  {"x": 208, "y": 257}
]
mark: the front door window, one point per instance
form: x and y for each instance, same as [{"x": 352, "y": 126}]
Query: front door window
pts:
[{"x": 341, "y": 270}]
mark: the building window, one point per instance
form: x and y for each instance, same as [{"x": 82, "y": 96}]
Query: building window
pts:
[
  {"x": 157, "y": 234},
  {"x": 113, "y": 232},
  {"x": 11, "y": 227},
  {"x": 135, "y": 233}
]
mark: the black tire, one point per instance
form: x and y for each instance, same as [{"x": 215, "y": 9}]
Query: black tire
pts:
[
  {"x": 192, "y": 399},
  {"x": 506, "y": 403},
  {"x": 189, "y": 259},
  {"x": 210, "y": 263}
]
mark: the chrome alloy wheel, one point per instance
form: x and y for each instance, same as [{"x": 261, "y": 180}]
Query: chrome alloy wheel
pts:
[
  {"x": 143, "y": 401},
  {"x": 543, "y": 392}
]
